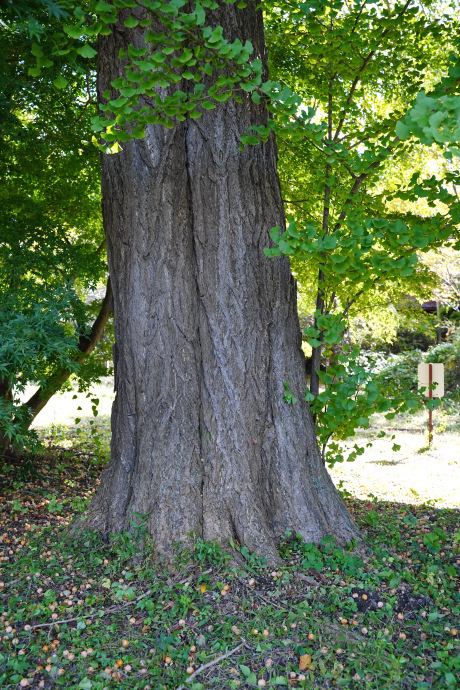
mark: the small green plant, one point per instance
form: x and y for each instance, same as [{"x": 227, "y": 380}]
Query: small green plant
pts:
[
  {"x": 55, "y": 506},
  {"x": 456, "y": 539},
  {"x": 312, "y": 557},
  {"x": 139, "y": 527},
  {"x": 208, "y": 552},
  {"x": 249, "y": 675},
  {"x": 28, "y": 471},
  {"x": 78, "y": 503},
  {"x": 252, "y": 560},
  {"x": 133, "y": 542},
  {"x": 372, "y": 518},
  {"x": 433, "y": 540},
  {"x": 185, "y": 603},
  {"x": 18, "y": 507},
  {"x": 342, "y": 559}
]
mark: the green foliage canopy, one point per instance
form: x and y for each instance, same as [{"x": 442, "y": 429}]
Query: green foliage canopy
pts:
[
  {"x": 50, "y": 221},
  {"x": 356, "y": 69}
]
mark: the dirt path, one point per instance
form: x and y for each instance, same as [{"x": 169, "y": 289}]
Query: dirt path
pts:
[{"x": 406, "y": 475}]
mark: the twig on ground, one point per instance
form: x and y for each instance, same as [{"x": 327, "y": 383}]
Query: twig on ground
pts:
[
  {"x": 271, "y": 603},
  {"x": 349, "y": 634},
  {"x": 187, "y": 579},
  {"x": 210, "y": 664},
  {"x": 112, "y": 609},
  {"x": 306, "y": 578}
]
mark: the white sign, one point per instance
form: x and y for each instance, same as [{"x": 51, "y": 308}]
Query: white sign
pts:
[{"x": 437, "y": 377}]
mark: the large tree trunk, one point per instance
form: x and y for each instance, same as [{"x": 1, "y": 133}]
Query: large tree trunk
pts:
[{"x": 206, "y": 333}]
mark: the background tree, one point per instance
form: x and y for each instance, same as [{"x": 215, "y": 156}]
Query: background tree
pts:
[
  {"x": 355, "y": 71},
  {"x": 52, "y": 248}
]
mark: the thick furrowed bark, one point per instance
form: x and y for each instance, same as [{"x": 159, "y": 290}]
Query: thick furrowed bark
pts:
[
  {"x": 207, "y": 333},
  {"x": 156, "y": 457}
]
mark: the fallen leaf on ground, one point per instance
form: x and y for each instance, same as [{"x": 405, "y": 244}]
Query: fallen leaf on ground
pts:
[{"x": 304, "y": 662}]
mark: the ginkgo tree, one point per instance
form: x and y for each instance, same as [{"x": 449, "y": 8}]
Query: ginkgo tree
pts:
[{"x": 206, "y": 327}]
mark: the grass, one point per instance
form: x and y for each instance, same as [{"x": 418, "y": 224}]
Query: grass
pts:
[{"x": 105, "y": 614}]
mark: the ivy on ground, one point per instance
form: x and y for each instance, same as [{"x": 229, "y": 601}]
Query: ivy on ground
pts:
[{"x": 104, "y": 613}]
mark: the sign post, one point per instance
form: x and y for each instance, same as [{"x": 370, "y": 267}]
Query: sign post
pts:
[
  {"x": 431, "y": 378},
  {"x": 430, "y": 397}
]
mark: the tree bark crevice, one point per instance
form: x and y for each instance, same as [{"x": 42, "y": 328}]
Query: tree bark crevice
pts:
[{"x": 197, "y": 343}]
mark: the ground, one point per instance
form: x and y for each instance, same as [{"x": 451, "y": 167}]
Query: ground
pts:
[
  {"x": 414, "y": 474},
  {"x": 103, "y": 614}
]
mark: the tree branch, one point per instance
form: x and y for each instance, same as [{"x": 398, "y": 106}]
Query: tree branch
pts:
[
  {"x": 358, "y": 182},
  {"x": 210, "y": 664},
  {"x": 357, "y": 79},
  {"x": 86, "y": 345},
  {"x": 101, "y": 246}
]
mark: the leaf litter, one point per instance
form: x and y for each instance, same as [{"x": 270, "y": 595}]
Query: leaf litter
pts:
[{"x": 105, "y": 615}]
